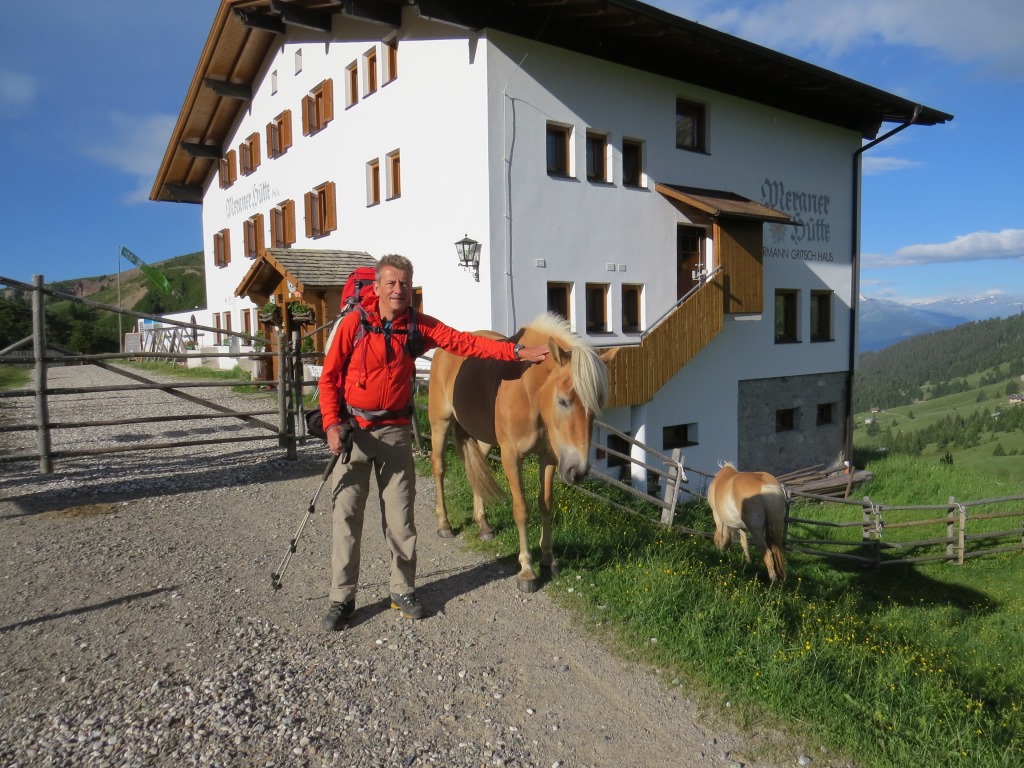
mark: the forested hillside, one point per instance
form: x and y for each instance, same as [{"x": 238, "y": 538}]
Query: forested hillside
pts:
[
  {"x": 89, "y": 330},
  {"x": 896, "y": 375}
]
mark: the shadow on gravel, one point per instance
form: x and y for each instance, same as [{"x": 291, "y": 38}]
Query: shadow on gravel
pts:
[
  {"x": 113, "y": 479},
  {"x": 454, "y": 582},
  {"x": 88, "y": 608}
]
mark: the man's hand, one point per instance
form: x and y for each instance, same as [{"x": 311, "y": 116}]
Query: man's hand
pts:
[
  {"x": 339, "y": 439},
  {"x": 533, "y": 354}
]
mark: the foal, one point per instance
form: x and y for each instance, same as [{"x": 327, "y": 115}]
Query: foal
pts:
[{"x": 754, "y": 503}]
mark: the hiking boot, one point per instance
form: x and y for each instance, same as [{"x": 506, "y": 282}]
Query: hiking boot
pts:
[
  {"x": 338, "y": 614},
  {"x": 409, "y": 605}
]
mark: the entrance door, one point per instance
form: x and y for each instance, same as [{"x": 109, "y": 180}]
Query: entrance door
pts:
[{"x": 689, "y": 258}]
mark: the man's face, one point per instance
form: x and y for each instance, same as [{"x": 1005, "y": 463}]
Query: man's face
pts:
[{"x": 394, "y": 290}]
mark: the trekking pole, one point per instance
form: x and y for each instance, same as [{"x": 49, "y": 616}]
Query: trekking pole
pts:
[{"x": 275, "y": 578}]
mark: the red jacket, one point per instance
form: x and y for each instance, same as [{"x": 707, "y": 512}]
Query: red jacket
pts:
[{"x": 376, "y": 375}]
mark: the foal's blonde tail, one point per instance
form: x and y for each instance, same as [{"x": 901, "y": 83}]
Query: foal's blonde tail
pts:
[
  {"x": 478, "y": 473},
  {"x": 775, "y": 530}
]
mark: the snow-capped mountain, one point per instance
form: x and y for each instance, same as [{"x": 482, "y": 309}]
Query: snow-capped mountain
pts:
[
  {"x": 977, "y": 309},
  {"x": 882, "y": 322}
]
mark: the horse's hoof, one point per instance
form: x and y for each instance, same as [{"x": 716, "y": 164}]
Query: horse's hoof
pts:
[
  {"x": 528, "y": 585},
  {"x": 486, "y": 535},
  {"x": 446, "y": 533},
  {"x": 549, "y": 571}
]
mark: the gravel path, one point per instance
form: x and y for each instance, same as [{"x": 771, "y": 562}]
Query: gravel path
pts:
[{"x": 138, "y": 627}]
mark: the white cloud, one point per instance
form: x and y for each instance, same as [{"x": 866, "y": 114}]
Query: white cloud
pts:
[
  {"x": 875, "y": 166},
  {"x": 17, "y": 91},
  {"x": 987, "y": 30},
  {"x": 977, "y": 246},
  {"x": 135, "y": 146}
]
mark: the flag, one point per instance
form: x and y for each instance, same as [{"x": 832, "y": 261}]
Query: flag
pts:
[{"x": 152, "y": 273}]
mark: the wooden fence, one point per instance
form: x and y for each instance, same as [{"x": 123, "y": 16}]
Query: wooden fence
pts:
[{"x": 288, "y": 429}]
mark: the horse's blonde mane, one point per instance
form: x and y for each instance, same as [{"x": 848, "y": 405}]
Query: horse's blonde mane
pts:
[{"x": 589, "y": 373}]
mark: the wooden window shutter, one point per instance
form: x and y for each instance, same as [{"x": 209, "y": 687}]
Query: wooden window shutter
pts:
[
  {"x": 247, "y": 237},
  {"x": 275, "y": 227},
  {"x": 286, "y": 129},
  {"x": 331, "y": 223},
  {"x": 258, "y": 225},
  {"x": 307, "y": 107},
  {"x": 232, "y": 168},
  {"x": 289, "y": 222},
  {"x": 273, "y": 141},
  {"x": 227, "y": 246},
  {"x": 328, "y": 102},
  {"x": 310, "y": 199},
  {"x": 254, "y": 143}
]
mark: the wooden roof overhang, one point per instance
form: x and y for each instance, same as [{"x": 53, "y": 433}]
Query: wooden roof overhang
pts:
[
  {"x": 625, "y": 32},
  {"x": 717, "y": 203},
  {"x": 308, "y": 270}
]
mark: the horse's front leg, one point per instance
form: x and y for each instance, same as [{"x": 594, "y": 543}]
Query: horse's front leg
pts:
[
  {"x": 438, "y": 438},
  {"x": 545, "y": 503},
  {"x": 513, "y": 465}
]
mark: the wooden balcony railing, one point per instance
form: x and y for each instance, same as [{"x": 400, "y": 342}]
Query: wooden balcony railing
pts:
[{"x": 636, "y": 373}]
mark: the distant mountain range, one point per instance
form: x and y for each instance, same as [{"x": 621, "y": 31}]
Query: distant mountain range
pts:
[{"x": 883, "y": 323}]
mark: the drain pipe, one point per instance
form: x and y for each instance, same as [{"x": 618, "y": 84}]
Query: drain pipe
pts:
[{"x": 855, "y": 276}]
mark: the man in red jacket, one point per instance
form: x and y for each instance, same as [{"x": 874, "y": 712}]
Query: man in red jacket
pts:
[{"x": 366, "y": 401}]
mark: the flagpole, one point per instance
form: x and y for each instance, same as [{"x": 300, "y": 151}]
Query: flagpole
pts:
[{"x": 120, "y": 336}]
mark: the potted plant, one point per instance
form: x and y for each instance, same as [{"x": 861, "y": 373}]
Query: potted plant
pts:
[
  {"x": 270, "y": 313},
  {"x": 300, "y": 313},
  {"x": 259, "y": 341}
]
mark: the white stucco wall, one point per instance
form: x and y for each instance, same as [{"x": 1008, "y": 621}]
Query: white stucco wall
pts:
[{"x": 469, "y": 116}]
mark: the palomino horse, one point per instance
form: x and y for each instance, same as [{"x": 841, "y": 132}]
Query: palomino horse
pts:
[
  {"x": 754, "y": 503},
  {"x": 547, "y": 409}
]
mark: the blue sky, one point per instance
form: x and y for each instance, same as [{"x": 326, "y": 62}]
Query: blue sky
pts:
[{"x": 90, "y": 91}]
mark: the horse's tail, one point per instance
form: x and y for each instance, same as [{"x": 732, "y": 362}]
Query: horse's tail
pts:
[
  {"x": 477, "y": 470},
  {"x": 774, "y": 496}
]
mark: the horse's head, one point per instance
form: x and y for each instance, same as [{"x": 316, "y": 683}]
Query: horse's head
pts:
[{"x": 573, "y": 394}]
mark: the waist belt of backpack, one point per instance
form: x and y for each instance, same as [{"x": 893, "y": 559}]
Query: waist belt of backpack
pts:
[{"x": 373, "y": 416}]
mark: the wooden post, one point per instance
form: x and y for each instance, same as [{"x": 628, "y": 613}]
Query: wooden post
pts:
[
  {"x": 951, "y": 523},
  {"x": 962, "y": 538},
  {"x": 39, "y": 350},
  {"x": 282, "y": 390},
  {"x": 671, "y": 495}
]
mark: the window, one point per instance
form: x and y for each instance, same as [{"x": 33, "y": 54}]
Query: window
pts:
[
  {"x": 228, "y": 170},
  {"x": 620, "y": 446},
  {"x": 252, "y": 236},
  {"x": 821, "y": 315},
  {"x": 282, "y": 224},
  {"x": 785, "y": 420},
  {"x": 218, "y": 336},
  {"x": 786, "y": 316},
  {"x": 632, "y": 163},
  {"x": 394, "y": 166},
  {"x": 690, "y": 126},
  {"x": 351, "y": 85},
  {"x": 597, "y": 154},
  {"x": 321, "y": 210},
  {"x": 824, "y": 414},
  {"x": 222, "y": 248},
  {"x": 558, "y": 149},
  {"x": 631, "y": 306},
  {"x": 558, "y": 299},
  {"x": 370, "y": 71},
  {"x": 373, "y": 182},
  {"x": 227, "y": 324},
  {"x": 597, "y": 308},
  {"x": 273, "y": 82},
  {"x": 390, "y": 60},
  {"x": 318, "y": 108},
  {"x": 246, "y": 321},
  {"x": 298, "y": 61},
  {"x": 678, "y": 436},
  {"x": 279, "y": 134},
  {"x": 249, "y": 154}
]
